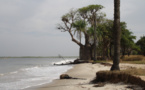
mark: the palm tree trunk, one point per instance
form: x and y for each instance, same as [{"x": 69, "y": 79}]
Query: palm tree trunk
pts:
[{"x": 117, "y": 32}]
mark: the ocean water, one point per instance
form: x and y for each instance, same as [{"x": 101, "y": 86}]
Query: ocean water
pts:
[{"x": 23, "y": 73}]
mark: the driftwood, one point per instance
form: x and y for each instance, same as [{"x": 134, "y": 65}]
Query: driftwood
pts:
[
  {"x": 77, "y": 61},
  {"x": 64, "y": 64},
  {"x": 66, "y": 76}
]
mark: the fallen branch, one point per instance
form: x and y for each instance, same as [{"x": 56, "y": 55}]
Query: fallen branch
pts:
[
  {"x": 66, "y": 76},
  {"x": 77, "y": 61}
]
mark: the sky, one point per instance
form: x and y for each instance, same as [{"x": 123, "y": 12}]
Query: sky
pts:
[{"x": 28, "y": 27}]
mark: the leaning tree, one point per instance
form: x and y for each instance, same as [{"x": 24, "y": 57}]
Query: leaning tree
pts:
[{"x": 82, "y": 21}]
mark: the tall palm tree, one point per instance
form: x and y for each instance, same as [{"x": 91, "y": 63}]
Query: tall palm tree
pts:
[{"x": 117, "y": 32}]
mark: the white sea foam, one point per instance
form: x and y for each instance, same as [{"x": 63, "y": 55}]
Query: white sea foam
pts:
[
  {"x": 31, "y": 76},
  {"x": 64, "y": 62}
]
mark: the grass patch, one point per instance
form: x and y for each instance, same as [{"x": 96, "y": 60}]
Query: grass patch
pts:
[
  {"x": 140, "y": 72},
  {"x": 133, "y": 58},
  {"x": 133, "y": 62}
]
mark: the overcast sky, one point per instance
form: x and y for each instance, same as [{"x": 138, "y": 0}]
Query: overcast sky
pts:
[{"x": 28, "y": 27}]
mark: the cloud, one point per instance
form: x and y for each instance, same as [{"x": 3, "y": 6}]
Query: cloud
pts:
[
  {"x": 28, "y": 27},
  {"x": 12, "y": 12},
  {"x": 132, "y": 13}
]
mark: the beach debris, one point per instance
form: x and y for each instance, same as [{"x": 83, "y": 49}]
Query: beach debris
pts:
[
  {"x": 77, "y": 61},
  {"x": 61, "y": 57},
  {"x": 99, "y": 85},
  {"x": 66, "y": 76}
]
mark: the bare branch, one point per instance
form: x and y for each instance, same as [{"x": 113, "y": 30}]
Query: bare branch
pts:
[
  {"x": 68, "y": 20},
  {"x": 74, "y": 40},
  {"x": 60, "y": 27}
]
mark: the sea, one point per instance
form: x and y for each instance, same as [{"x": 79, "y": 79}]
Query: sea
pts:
[{"x": 23, "y": 73}]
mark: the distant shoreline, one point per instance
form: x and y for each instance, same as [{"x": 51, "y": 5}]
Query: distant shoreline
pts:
[{"x": 38, "y": 57}]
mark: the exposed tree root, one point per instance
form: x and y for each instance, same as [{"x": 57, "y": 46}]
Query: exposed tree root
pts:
[{"x": 118, "y": 76}]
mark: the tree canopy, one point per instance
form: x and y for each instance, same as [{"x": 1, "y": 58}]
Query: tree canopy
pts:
[
  {"x": 141, "y": 44},
  {"x": 81, "y": 21},
  {"x": 80, "y": 26}
]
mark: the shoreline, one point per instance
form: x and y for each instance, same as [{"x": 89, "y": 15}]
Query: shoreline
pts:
[
  {"x": 87, "y": 71},
  {"x": 45, "y": 84},
  {"x": 78, "y": 71}
]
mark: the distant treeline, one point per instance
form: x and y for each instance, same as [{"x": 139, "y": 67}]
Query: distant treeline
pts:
[{"x": 39, "y": 57}]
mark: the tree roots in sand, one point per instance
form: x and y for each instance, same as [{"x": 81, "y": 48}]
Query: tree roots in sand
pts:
[{"x": 118, "y": 76}]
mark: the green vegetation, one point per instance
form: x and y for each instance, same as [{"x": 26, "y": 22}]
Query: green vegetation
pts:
[
  {"x": 141, "y": 44},
  {"x": 82, "y": 22},
  {"x": 127, "y": 41},
  {"x": 108, "y": 39}
]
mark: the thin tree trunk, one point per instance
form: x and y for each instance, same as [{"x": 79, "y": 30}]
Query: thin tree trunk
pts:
[
  {"x": 117, "y": 35},
  {"x": 123, "y": 52},
  {"x": 111, "y": 51},
  {"x": 95, "y": 53}
]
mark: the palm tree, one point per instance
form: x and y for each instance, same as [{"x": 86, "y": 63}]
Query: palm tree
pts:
[
  {"x": 80, "y": 26},
  {"x": 117, "y": 32}
]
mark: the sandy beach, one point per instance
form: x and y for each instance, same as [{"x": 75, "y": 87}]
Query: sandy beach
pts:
[{"x": 87, "y": 72}]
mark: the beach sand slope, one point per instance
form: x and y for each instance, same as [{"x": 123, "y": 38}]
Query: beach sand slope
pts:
[{"x": 87, "y": 72}]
